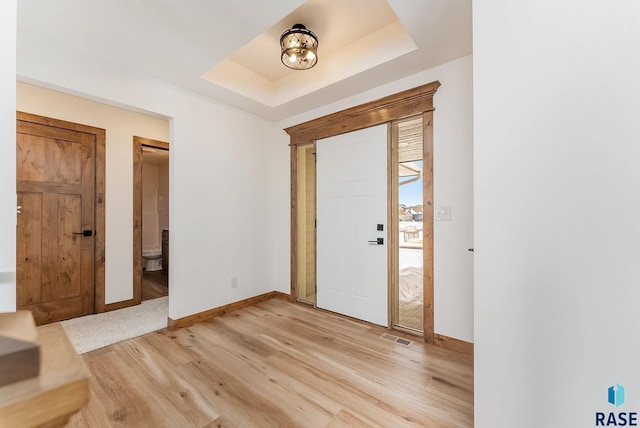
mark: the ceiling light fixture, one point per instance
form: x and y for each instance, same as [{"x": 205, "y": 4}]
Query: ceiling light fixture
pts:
[{"x": 299, "y": 48}]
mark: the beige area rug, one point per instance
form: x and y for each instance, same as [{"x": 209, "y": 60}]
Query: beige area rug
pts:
[{"x": 99, "y": 330}]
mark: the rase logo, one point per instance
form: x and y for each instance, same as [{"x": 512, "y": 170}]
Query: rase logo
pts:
[{"x": 615, "y": 397}]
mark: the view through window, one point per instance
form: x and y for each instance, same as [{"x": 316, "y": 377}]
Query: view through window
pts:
[{"x": 410, "y": 204}]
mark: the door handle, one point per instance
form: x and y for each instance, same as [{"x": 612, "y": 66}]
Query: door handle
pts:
[
  {"x": 84, "y": 233},
  {"x": 378, "y": 241}
]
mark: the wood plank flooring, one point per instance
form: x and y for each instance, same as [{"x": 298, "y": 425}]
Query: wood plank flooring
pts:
[
  {"x": 154, "y": 284},
  {"x": 277, "y": 364}
]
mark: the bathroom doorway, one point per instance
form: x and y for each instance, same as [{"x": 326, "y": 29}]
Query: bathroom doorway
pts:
[{"x": 150, "y": 219}]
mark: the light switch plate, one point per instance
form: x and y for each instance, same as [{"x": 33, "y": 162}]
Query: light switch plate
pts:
[{"x": 443, "y": 213}]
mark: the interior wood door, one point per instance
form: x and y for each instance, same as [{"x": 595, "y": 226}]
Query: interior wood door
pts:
[
  {"x": 351, "y": 203},
  {"x": 55, "y": 177}
]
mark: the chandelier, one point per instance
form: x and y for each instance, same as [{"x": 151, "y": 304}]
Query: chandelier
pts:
[{"x": 299, "y": 48}]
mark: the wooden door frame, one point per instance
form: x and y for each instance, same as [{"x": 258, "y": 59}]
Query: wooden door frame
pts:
[
  {"x": 315, "y": 234},
  {"x": 411, "y": 102},
  {"x": 138, "y": 143},
  {"x": 100, "y": 202}
]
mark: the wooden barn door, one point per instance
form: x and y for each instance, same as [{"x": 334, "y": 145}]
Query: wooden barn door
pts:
[{"x": 55, "y": 175}]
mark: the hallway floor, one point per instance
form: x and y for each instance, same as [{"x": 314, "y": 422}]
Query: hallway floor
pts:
[{"x": 154, "y": 284}]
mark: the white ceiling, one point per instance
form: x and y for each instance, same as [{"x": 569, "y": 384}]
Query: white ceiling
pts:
[{"x": 228, "y": 50}]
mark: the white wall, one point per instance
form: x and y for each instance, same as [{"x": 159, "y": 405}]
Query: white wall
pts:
[
  {"x": 279, "y": 232},
  {"x": 120, "y": 125},
  {"x": 247, "y": 223},
  {"x": 453, "y": 186},
  {"x": 557, "y": 173},
  {"x": 7, "y": 155},
  {"x": 221, "y": 183}
]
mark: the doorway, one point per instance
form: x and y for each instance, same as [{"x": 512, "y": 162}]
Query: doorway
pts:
[
  {"x": 352, "y": 224},
  {"x": 416, "y": 102},
  {"x": 60, "y": 225},
  {"x": 306, "y": 197},
  {"x": 408, "y": 203},
  {"x": 150, "y": 219}
]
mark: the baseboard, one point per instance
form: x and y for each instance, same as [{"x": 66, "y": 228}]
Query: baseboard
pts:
[
  {"x": 281, "y": 295},
  {"x": 221, "y": 310},
  {"x": 445, "y": 342},
  {"x": 119, "y": 305},
  {"x": 452, "y": 344}
]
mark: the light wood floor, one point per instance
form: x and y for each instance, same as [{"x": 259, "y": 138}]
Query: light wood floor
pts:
[
  {"x": 154, "y": 284},
  {"x": 277, "y": 364}
]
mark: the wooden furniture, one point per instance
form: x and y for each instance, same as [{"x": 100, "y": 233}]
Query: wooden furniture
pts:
[
  {"x": 165, "y": 250},
  {"x": 61, "y": 389},
  {"x": 19, "y": 350}
]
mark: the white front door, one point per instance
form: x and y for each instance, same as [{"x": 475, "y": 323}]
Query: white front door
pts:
[{"x": 351, "y": 203}]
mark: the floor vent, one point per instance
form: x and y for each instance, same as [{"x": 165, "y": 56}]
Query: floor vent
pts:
[{"x": 396, "y": 339}]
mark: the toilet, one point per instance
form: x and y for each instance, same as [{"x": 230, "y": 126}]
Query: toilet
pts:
[
  {"x": 153, "y": 259},
  {"x": 151, "y": 230}
]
